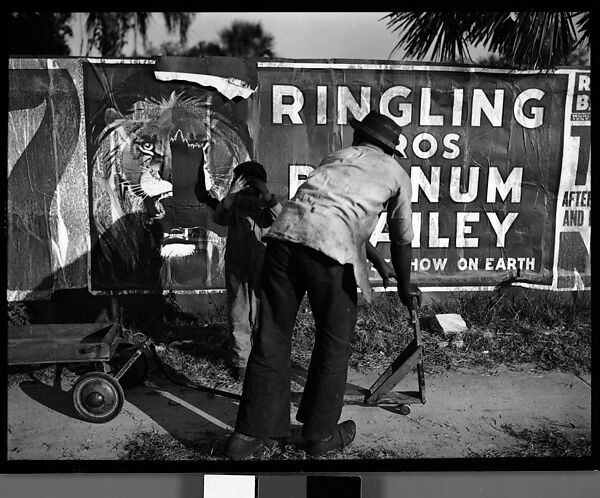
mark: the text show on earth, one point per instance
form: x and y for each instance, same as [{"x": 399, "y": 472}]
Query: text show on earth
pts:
[{"x": 113, "y": 165}]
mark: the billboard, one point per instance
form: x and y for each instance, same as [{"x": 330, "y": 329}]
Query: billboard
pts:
[{"x": 129, "y": 157}]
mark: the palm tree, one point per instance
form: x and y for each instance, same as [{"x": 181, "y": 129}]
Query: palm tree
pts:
[
  {"x": 241, "y": 39},
  {"x": 244, "y": 39},
  {"x": 107, "y": 31},
  {"x": 205, "y": 48},
  {"x": 535, "y": 40}
]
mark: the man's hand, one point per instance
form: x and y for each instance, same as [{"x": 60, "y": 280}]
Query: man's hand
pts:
[
  {"x": 405, "y": 296},
  {"x": 408, "y": 296},
  {"x": 386, "y": 272}
]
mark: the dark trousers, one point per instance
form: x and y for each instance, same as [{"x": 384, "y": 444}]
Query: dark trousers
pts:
[{"x": 289, "y": 272}]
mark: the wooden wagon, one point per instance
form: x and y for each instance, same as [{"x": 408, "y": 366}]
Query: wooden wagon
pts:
[{"x": 97, "y": 347}]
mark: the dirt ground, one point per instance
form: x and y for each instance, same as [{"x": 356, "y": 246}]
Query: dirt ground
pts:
[{"x": 462, "y": 416}]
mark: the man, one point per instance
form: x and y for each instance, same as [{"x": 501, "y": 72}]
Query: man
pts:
[{"x": 318, "y": 245}]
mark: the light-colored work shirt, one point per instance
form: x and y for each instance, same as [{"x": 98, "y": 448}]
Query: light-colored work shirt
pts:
[{"x": 336, "y": 209}]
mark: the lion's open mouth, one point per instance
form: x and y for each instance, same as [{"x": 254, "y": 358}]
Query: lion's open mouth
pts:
[
  {"x": 156, "y": 189},
  {"x": 160, "y": 210}
]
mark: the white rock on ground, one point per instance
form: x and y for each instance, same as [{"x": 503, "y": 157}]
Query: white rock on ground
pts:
[{"x": 449, "y": 324}]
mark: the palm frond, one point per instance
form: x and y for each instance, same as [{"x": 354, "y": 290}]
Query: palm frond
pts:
[
  {"x": 445, "y": 34},
  {"x": 535, "y": 40},
  {"x": 584, "y": 25},
  {"x": 179, "y": 21},
  {"x": 141, "y": 24}
]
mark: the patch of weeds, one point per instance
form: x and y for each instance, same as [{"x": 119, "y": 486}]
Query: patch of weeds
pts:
[
  {"x": 552, "y": 348},
  {"x": 382, "y": 331},
  {"x": 375, "y": 453},
  {"x": 504, "y": 311},
  {"x": 209, "y": 328},
  {"x": 550, "y": 330},
  {"x": 544, "y": 442},
  {"x": 49, "y": 374},
  {"x": 196, "y": 349},
  {"x": 17, "y": 313},
  {"x": 350, "y": 453},
  {"x": 195, "y": 368},
  {"x": 303, "y": 337},
  {"x": 152, "y": 446}
]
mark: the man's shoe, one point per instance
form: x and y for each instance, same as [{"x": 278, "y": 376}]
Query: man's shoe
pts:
[
  {"x": 240, "y": 446},
  {"x": 342, "y": 437}
]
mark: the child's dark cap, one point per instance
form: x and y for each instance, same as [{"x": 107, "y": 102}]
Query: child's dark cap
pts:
[{"x": 250, "y": 168}]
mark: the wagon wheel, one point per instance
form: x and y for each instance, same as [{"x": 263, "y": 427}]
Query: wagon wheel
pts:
[
  {"x": 137, "y": 372},
  {"x": 403, "y": 409},
  {"x": 98, "y": 397}
]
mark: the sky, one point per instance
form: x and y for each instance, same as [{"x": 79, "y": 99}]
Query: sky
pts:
[{"x": 297, "y": 35}]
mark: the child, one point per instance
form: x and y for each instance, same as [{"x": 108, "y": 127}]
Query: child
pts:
[{"x": 248, "y": 210}]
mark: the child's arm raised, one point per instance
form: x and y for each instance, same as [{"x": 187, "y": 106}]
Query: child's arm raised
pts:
[
  {"x": 222, "y": 213},
  {"x": 271, "y": 207}
]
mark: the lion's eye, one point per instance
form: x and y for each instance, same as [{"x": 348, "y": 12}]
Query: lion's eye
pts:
[{"x": 146, "y": 146}]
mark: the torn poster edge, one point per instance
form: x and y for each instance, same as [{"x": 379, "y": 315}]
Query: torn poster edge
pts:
[{"x": 229, "y": 87}]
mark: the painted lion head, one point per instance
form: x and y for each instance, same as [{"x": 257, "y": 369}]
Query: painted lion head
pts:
[{"x": 163, "y": 164}]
